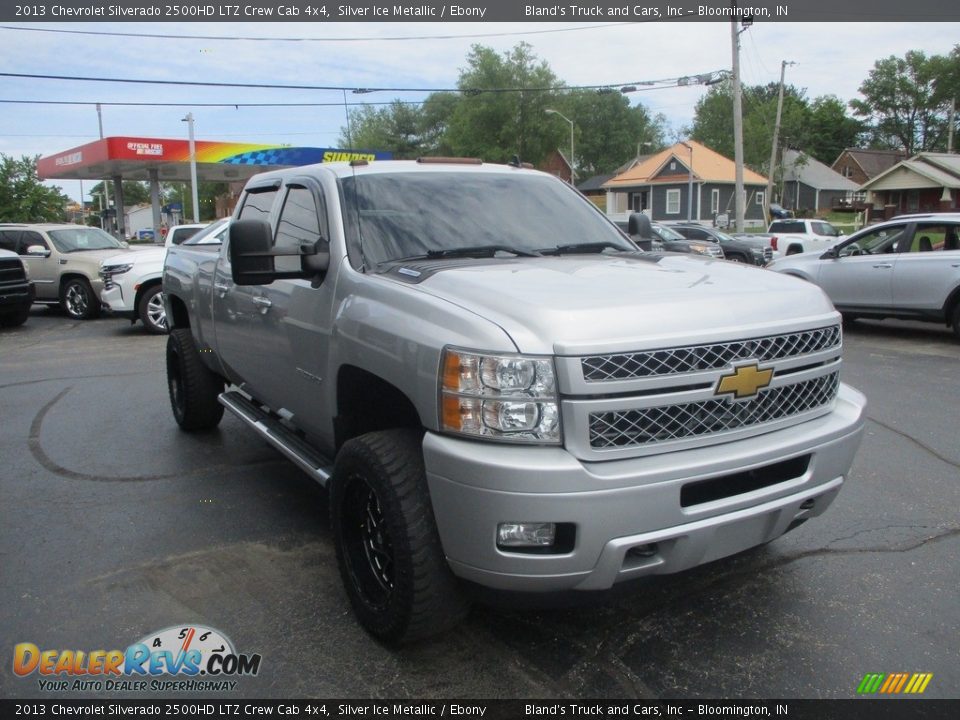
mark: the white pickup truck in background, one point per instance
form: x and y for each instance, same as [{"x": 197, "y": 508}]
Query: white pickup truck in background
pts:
[{"x": 793, "y": 235}]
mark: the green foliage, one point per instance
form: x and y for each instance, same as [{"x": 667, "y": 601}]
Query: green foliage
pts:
[
  {"x": 906, "y": 100},
  {"x": 134, "y": 192},
  {"x": 607, "y": 131},
  {"x": 495, "y": 126},
  {"x": 830, "y": 130},
  {"x": 23, "y": 198},
  {"x": 821, "y": 127}
]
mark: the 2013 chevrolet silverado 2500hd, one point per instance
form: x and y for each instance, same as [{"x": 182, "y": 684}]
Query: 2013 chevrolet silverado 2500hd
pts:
[{"x": 497, "y": 386}]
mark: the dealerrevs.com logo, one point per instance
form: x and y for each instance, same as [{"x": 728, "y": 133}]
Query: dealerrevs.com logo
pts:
[{"x": 181, "y": 658}]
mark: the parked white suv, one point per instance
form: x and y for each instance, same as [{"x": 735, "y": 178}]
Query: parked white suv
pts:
[{"x": 132, "y": 281}]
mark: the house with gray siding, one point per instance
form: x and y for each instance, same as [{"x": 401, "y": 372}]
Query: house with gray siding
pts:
[{"x": 809, "y": 185}]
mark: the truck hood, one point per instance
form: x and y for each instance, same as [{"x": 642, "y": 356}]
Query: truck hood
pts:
[{"x": 594, "y": 304}]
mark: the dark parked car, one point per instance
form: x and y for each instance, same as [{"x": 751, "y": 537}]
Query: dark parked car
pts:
[
  {"x": 745, "y": 251},
  {"x": 655, "y": 237}
]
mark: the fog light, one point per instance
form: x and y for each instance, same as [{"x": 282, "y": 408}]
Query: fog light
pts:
[{"x": 529, "y": 534}]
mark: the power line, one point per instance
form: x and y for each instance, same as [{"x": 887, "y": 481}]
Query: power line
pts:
[
  {"x": 315, "y": 39},
  {"x": 633, "y": 86},
  {"x": 209, "y": 104}
]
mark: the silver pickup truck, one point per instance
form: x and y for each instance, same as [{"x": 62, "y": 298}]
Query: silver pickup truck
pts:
[{"x": 498, "y": 387}]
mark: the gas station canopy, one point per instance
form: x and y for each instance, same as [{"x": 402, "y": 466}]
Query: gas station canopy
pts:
[{"x": 132, "y": 158}]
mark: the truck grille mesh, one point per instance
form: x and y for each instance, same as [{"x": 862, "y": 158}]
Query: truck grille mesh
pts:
[
  {"x": 11, "y": 271},
  {"x": 625, "y": 428},
  {"x": 695, "y": 358}
]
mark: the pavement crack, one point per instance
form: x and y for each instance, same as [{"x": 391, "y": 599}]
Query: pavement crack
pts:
[{"x": 919, "y": 443}]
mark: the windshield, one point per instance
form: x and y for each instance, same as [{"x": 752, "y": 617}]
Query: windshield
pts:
[
  {"x": 666, "y": 233},
  {"x": 423, "y": 214},
  {"x": 724, "y": 237},
  {"x": 212, "y": 234},
  {"x": 83, "y": 238}
]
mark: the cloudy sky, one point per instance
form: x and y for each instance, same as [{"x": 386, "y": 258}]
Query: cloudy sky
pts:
[{"x": 832, "y": 58}]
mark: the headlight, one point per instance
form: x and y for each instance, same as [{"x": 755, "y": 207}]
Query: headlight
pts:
[
  {"x": 115, "y": 269},
  {"x": 502, "y": 397}
]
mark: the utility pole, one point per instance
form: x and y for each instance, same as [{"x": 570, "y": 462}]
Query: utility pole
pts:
[
  {"x": 193, "y": 167},
  {"x": 773, "y": 149},
  {"x": 953, "y": 117},
  {"x": 689, "y": 182},
  {"x": 737, "y": 126}
]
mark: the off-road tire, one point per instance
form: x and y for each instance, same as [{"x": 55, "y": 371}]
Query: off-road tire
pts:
[
  {"x": 192, "y": 385},
  {"x": 388, "y": 549},
  {"x": 78, "y": 299},
  {"x": 16, "y": 317},
  {"x": 151, "y": 314}
]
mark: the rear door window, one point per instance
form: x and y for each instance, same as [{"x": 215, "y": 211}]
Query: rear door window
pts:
[{"x": 9, "y": 240}]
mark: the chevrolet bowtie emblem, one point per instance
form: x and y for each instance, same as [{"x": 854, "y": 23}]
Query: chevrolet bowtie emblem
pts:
[{"x": 745, "y": 381}]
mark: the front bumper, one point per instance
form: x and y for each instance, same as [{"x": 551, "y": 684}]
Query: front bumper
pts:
[
  {"x": 621, "y": 506},
  {"x": 17, "y": 295},
  {"x": 113, "y": 302}
]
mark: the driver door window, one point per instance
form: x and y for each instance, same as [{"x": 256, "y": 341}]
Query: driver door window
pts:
[
  {"x": 877, "y": 242},
  {"x": 299, "y": 225}
]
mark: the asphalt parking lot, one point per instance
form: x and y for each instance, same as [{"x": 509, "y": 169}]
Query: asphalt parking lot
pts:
[{"x": 115, "y": 524}]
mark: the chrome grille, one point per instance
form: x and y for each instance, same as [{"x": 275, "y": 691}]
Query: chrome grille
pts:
[
  {"x": 626, "y": 428},
  {"x": 767, "y": 254},
  {"x": 698, "y": 358}
]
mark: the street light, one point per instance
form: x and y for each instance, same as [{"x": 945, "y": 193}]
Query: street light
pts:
[
  {"x": 689, "y": 182},
  {"x": 193, "y": 167},
  {"x": 550, "y": 111}
]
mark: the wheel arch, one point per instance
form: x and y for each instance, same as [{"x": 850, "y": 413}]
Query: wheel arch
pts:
[
  {"x": 366, "y": 403},
  {"x": 951, "y": 305},
  {"x": 178, "y": 317},
  {"x": 143, "y": 287}
]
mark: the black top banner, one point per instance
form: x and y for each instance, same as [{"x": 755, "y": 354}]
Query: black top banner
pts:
[{"x": 601, "y": 11}]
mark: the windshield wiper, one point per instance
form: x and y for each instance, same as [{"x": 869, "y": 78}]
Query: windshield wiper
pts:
[
  {"x": 577, "y": 248},
  {"x": 477, "y": 251}
]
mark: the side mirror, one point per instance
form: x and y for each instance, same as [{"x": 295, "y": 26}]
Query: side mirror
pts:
[
  {"x": 830, "y": 254},
  {"x": 639, "y": 225},
  {"x": 38, "y": 251},
  {"x": 252, "y": 255}
]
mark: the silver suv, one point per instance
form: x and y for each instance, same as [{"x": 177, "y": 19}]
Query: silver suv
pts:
[
  {"x": 907, "y": 268},
  {"x": 64, "y": 262}
]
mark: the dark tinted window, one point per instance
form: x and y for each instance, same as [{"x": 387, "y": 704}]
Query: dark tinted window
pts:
[
  {"x": 8, "y": 240},
  {"x": 257, "y": 204},
  {"x": 299, "y": 224},
  {"x": 787, "y": 226},
  {"x": 401, "y": 215}
]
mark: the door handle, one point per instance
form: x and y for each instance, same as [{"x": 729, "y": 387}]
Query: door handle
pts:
[
  {"x": 883, "y": 265},
  {"x": 221, "y": 288},
  {"x": 263, "y": 303}
]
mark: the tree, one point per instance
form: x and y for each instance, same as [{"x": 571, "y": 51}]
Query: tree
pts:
[
  {"x": 500, "y": 112},
  {"x": 607, "y": 130},
  {"x": 820, "y": 128},
  {"x": 830, "y": 130},
  {"x": 134, "y": 192},
  {"x": 23, "y": 197},
  {"x": 496, "y": 118},
  {"x": 906, "y": 100},
  {"x": 406, "y": 130}
]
